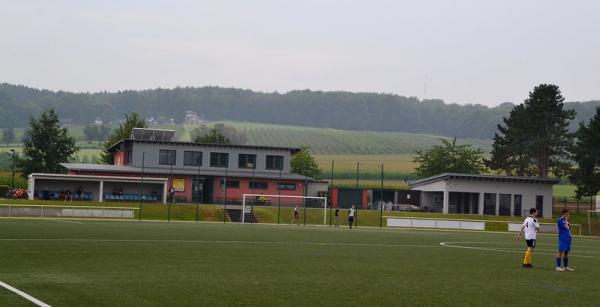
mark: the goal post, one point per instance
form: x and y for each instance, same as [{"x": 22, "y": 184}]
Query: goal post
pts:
[
  {"x": 593, "y": 222},
  {"x": 284, "y": 201}
]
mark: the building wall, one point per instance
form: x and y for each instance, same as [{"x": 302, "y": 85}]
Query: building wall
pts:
[
  {"x": 150, "y": 153},
  {"x": 529, "y": 191},
  {"x": 314, "y": 188},
  {"x": 235, "y": 195}
]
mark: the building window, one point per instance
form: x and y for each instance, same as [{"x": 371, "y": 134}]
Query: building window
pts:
[
  {"x": 504, "y": 205},
  {"x": 286, "y": 186},
  {"x": 166, "y": 157},
  {"x": 539, "y": 205},
  {"x": 489, "y": 204},
  {"x": 258, "y": 185},
  {"x": 231, "y": 184},
  {"x": 247, "y": 161},
  {"x": 192, "y": 158},
  {"x": 219, "y": 159},
  {"x": 275, "y": 162},
  {"x": 517, "y": 209}
]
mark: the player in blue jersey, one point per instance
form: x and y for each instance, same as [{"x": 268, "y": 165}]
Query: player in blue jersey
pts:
[{"x": 564, "y": 242}]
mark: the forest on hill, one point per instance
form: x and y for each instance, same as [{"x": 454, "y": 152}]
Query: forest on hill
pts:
[{"x": 339, "y": 110}]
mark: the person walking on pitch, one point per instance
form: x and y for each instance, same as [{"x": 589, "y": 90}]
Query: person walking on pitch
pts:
[
  {"x": 296, "y": 216},
  {"x": 351, "y": 213},
  {"x": 564, "y": 242},
  {"x": 337, "y": 217},
  {"x": 530, "y": 227}
]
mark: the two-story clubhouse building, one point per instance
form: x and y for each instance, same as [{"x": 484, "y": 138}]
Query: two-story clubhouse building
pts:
[{"x": 149, "y": 164}]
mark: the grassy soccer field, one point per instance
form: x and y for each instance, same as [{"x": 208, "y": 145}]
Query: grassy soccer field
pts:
[{"x": 118, "y": 263}]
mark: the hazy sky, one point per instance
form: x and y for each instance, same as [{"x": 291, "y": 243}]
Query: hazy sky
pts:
[{"x": 468, "y": 51}]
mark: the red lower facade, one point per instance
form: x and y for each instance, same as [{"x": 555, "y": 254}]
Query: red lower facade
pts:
[{"x": 213, "y": 189}]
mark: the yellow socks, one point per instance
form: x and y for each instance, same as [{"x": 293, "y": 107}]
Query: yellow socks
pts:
[{"x": 528, "y": 257}]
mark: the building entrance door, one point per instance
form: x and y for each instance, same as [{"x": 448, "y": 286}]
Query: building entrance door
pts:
[{"x": 201, "y": 189}]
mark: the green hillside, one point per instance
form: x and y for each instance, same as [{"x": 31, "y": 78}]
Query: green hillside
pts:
[{"x": 327, "y": 141}]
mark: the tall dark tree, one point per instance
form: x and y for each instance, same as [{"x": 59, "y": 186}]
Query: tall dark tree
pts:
[
  {"x": 304, "y": 163},
  {"x": 96, "y": 133},
  {"x": 47, "y": 145},
  {"x": 535, "y": 137},
  {"x": 448, "y": 157},
  {"x": 91, "y": 133},
  {"x": 8, "y": 135},
  {"x": 586, "y": 154},
  {"x": 122, "y": 132}
]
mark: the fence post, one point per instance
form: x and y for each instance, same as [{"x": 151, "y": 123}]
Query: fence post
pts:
[
  {"x": 279, "y": 198},
  {"x": 329, "y": 198},
  {"x": 381, "y": 200}
]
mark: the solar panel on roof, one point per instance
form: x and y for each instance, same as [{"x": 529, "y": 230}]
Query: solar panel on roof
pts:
[{"x": 152, "y": 134}]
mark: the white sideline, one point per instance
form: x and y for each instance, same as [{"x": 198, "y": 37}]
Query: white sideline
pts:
[{"x": 24, "y": 295}]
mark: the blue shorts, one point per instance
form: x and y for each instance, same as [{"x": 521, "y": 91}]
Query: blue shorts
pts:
[{"x": 564, "y": 246}]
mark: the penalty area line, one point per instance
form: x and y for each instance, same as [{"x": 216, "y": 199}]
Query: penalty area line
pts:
[
  {"x": 24, "y": 295},
  {"x": 214, "y": 242}
]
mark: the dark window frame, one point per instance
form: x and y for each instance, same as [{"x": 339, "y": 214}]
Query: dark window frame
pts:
[
  {"x": 274, "y": 165},
  {"x": 285, "y": 186},
  {"x": 489, "y": 208},
  {"x": 503, "y": 209},
  {"x": 258, "y": 185},
  {"x": 518, "y": 205},
  {"x": 231, "y": 184},
  {"x": 194, "y": 158},
  {"x": 171, "y": 156},
  {"x": 213, "y": 161},
  {"x": 245, "y": 165}
]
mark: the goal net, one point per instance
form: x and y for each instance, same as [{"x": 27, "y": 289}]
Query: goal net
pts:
[{"x": 285, "y": 209}]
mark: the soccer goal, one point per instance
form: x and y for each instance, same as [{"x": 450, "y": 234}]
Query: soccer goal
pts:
[{"x": 310, "y": 209}]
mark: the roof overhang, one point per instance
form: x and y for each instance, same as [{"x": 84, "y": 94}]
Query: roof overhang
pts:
[
  {"x": 69, "y": 177},
  {"x": 99, "y": 168},
  {"x": 476, "y": 177}
]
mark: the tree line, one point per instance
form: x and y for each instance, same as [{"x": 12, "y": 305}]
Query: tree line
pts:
[
  {"x": 533, "y": 140},
  {"x": 340, "y": 110}
]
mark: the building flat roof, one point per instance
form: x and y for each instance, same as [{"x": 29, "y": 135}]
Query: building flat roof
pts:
[
  {"x": 293, "y": 150},
  {"x": 177, "y": 171},
  {"x": 477, "y": 177}
]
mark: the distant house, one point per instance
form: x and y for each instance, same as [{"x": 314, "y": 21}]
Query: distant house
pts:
[{"x": 192, "y": 118}]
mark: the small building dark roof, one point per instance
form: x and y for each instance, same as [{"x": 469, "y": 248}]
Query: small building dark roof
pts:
[
  {"x": 477, "y": 177},
  {"x": 177, "y": 171},
  {"x": 113, "y": 147}
]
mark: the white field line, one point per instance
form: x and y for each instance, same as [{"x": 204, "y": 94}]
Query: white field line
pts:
[
  {"x": 454, "y": 245},
  {"x": 216, "y": 242},
  {"x": 65, "y": 221},
  {"x": 24, "y": 295}
]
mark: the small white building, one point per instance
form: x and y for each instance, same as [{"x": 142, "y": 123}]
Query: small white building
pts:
[{"x": 485, "y": 194}]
